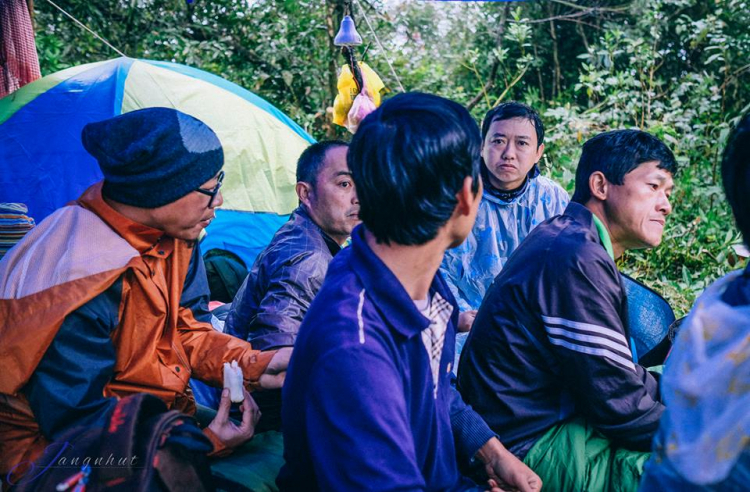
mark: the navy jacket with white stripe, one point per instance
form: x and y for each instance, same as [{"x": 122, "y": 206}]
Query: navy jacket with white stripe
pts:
[
  {"x": 360, "y": 407},
  {"x": 550, "y": 343}
]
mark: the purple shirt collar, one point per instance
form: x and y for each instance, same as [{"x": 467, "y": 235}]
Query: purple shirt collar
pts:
[{"x": 387, "y": 293}]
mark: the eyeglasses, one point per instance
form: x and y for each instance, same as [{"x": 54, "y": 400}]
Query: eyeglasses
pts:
[{"x": 215, "y": 191}]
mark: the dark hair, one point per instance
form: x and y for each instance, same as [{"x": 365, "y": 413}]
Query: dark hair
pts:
[
  {"x": 512, "y": 109},
  {"x": 409, "y": 159},
  {"x": 311, "y": 160},
  {"x": 735, "y": 173},
  {"x": 615, "y": 154}
]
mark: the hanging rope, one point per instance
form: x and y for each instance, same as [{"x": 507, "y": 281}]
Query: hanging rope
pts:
[
  {"x": 85, "y": 27},
  {"x": 385, "y": 53},
  {"x": 348, "y": 53}
]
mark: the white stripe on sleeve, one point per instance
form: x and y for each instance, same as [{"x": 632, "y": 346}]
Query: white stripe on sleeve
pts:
[{"x": 601, "y": 330}]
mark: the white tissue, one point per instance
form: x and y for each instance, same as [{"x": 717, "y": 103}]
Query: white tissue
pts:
[{"x": 233, "y": 380}]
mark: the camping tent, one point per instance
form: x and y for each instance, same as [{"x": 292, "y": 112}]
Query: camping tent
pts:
[{"x": 44, "y": 165}]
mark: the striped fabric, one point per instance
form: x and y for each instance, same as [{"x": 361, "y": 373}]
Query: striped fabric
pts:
[
  {"x": 589, "y": 339},
  {"x": 19, "y": 63},
  {"x": 14, "y": 224}
]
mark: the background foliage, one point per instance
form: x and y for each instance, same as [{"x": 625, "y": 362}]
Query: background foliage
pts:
[{"x": 677, "y": 68}]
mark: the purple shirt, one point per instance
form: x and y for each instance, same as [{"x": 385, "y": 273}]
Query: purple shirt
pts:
[{"x": 359, "y": 410}]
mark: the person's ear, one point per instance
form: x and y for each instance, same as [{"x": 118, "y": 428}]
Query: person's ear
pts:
[
  {"x": 598, "y": 185},
  {"x": 466, "y": 196},
  {"x": 539, "y": 153},
  {"x": 304, "y": 192}
]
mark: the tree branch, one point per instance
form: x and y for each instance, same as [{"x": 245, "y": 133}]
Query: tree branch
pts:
[
  {"x": 510, "y": 86},
  {"x": 618, "y": 8},
  {"x": 496, "y": 64},
  {"x": 487, "y": 86}
]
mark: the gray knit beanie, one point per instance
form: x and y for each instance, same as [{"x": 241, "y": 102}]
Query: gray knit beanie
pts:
[{"x": 153, "y": 156}]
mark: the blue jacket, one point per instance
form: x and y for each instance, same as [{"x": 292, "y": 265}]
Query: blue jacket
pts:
[
  {"x": 282, "y": 283},
  {"x": 358, "y": 408},
  {"x": 551, "y": 342},
  {"x": 500, "y": 227}
]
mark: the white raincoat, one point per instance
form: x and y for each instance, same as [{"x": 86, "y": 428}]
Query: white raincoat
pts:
[
  {"x": 703, "y": 442},
  {"x": 500, "y": 227}
]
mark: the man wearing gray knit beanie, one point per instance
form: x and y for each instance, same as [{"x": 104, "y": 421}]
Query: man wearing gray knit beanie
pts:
[
  {"x": 117, "y": 301},
  {"x": 153, "y": 160}
]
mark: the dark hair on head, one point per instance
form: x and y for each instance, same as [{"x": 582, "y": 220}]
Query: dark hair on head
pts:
[
  {"x": 512, "y": 109},
  {"x": 735, "y": 173},
  {"x": 615, "y": 154},
  {"x": 409, "y": 159},
  {"x": 311, "y": 160}
]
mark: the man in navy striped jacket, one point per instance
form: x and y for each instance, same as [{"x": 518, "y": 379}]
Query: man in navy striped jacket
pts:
[{"x": 550, "y": 358}]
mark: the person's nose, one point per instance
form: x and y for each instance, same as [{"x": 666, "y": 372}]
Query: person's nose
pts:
[
  {"x": 218, "y": 201},
  {"x": 664, "y": 206},
  {"x": 355, "y": 199},
  {"x": 509, "y": 152}
]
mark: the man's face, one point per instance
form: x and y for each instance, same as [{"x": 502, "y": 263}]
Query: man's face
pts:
[
  {"x": 510, "y": 151},
  {"x": 332, "y": 201},
  {"x": 636, "y": 210},
  {"x": 188, "y": 216}
]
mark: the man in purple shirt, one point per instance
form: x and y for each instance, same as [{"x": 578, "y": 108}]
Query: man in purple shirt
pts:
[{"x": 367, "y": 403}]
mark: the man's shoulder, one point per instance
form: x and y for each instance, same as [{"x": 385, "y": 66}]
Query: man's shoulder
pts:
[
  {"x": 299, "y": 233},
  {"x": 560, "y": 243},
  {"x": 296, "y": 242},
  {"x": 550, "y": 195},
  {"x": 576, "y": 244},
  {"x": 342, "y": 311},
  {"x": 548, "y": 185},
  {"x": 71, "y": 244}
]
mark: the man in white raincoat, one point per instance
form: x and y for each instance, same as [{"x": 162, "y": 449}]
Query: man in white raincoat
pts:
[{"x": 516, "y": 199}]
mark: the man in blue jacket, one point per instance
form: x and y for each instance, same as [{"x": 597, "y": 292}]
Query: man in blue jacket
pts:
[
  {"x": 550, "y": 342},
  {"x": 287, "y": 275},
  {"x": 368, "y": 403}
]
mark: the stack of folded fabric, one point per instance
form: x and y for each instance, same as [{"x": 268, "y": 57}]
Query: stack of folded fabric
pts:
[{"x": 14, "y": 224}]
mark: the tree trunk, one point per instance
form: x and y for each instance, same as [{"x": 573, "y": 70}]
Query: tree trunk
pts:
[
  {"x": 555, "y": 55},
  {"x": 539, "y": 74},
  {"x": 496, "y": 64},
  {"x": 579, "y": 28}
]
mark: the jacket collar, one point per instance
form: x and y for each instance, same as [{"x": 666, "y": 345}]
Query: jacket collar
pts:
[
  {"x": 506, "y": 197},
  {"x": 385, "y": 290},
  {"x": 141, "y": 237},
  {"x": 304, "y": 216},
  {"x": 584, "y": 216}
]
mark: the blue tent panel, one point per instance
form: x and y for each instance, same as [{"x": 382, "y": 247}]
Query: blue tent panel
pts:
[{"x": 54, "y": 121}]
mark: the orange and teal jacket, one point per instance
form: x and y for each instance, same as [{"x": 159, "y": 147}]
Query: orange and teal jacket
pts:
[{"x": 95, "y": 307}]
